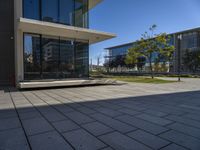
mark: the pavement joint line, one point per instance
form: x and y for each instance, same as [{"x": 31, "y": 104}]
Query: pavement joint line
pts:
[
  {"x": 170, "y": 108},
  {"x": 98, "y": 112},
  {"x": 50, "y": 122},
  {"x": 165, "y": 145},
  {"x": 81, "y": 128},
  {"x": 187, "y": 124},
  {"x": 96, "y": 121},
  {"x": 41, "y": 133},
  {"x": 173, "y": 122},
  {"x": 139, "y": 119},
  {"x": 88, "y": 123},
  {"x": 25, "y": 134},
  {"x": 171, "y": 141}
]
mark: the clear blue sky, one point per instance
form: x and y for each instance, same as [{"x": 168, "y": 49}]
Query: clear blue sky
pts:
[{"x": 130, "y": 18}]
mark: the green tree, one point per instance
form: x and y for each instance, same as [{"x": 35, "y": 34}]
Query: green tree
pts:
[
  {"x": 148, "y": 46},
  {"x": 132, "y": 56}
]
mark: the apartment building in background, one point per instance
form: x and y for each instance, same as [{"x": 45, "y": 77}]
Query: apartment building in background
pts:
[{"x": 46, "y": 40}]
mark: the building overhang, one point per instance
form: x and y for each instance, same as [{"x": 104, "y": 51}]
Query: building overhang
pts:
[
  {"x": 54, "y": 29},
  {"x": 93, "y": 3}
]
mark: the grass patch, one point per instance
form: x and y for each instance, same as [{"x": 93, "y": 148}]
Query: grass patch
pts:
[{"x": 141, "y": 79}]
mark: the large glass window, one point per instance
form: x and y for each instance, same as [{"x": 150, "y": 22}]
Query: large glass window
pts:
[
  {"x": 50, "y": 57},
  {"x": 66, "y": 12},
  {"x": 69, "y": 12},
  {"x": 32, "y": 65},
  {"x": 50, "y": 10},
  {"x": 81, "y": 13},
  {"x": 81, "y": 59},
  {"x": 31, "y": 9},
  {"x": 66, "y": 68},
  {"x": 189, "y": 40},
  {"x": 47, "y": 57}
]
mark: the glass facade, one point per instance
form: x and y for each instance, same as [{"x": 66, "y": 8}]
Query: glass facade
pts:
[
  {"x": 31, "y": 9},
  {"x": 190, "y": 40},
  {"x": 68, "y": 12},
  {"x": 123, "y": 49},
  {"x": 50, "y": 57},
  {"x": 81, "y": 59},
  {"x": 49, "y": 10},
  {"x": 32, "y": 56},
  {"x": 81, "y": 13},
  {"x": 47, "y": 57},
  {"x": 67, "y": 57}
]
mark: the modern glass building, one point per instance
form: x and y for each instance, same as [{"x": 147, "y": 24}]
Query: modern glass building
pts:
[
  {"x": 190, "y": 41},
  {"x": 46, "y": 39}
]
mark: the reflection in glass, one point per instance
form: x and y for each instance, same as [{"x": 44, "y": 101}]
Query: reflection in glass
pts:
[
  {"x": 50, "y": 57},
  {"x": 31, "y": 9},
  {"x": 31, "y": 57},
  {"x": 66, "y": 12},
  {"x": 81, "y": 13},
  {"x": 47, "y": 57},
  {"x": 50, "y": 10},
  {"x": 66, "y": 68},
  {"x": 82, "y": 60}
]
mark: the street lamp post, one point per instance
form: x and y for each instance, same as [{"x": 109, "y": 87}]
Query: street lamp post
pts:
[{"x": 179, "y": 57}]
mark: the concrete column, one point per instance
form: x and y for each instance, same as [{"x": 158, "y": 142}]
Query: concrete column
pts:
[{"x": 19, "y": 75}]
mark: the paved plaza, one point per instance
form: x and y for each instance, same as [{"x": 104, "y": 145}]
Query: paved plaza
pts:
[{"x": 129, "y": 116}]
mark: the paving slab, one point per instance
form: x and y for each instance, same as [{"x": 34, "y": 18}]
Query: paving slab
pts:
[
  {"x": 153, "y": 119},
  {"x": 65, "y": 126},
  {"x": 108, "y": 112},
  {"x": 82, "y": 140},
  {"x": 9, "y": 123},
  {"x": 182, "y": 139},
  {"x": 49, "y": 141},
  {"x": 54, "y": 116},
  {"x": 173, "y": 147},
  {"x": 155, "y": 113},
  {"x": 192, "y": 131},
  {"x": 151, "y": 140},
  {"x": 29, "y": 115},
  {"x": 79, "y": 117},
  {"x": 119, "y": 141},
  {"x": 13, "y": 139},
  {"x": 141, "y": 124},
  {"x": 10, "y": 113},
  {"x": 97, "y": 128},
  {"x": 186, "y": 121},
  {"x": 86, "y": 110},
  {"x": 107, "y": 148},
  {"x": 36, "y": 126},
  {"x": 129, "y": 111},
  {"x": 113, "y": 123},
  {"x": 192, "y": 116},
  {"x": 63, "y": 108}
]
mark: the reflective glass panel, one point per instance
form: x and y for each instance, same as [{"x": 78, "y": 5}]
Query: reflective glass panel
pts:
[
  {"x": 31, "y": 9},
  {"x": 66, "y": 12},
  {"x": 50, "y": 10},
  {"x": 50, "y": 57},
  {"x": 81, "y": 13},
  {"x": 32, "y": 63},
  {"x": 66, "y": 69},
  {"x": 82, "y": 60}
]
